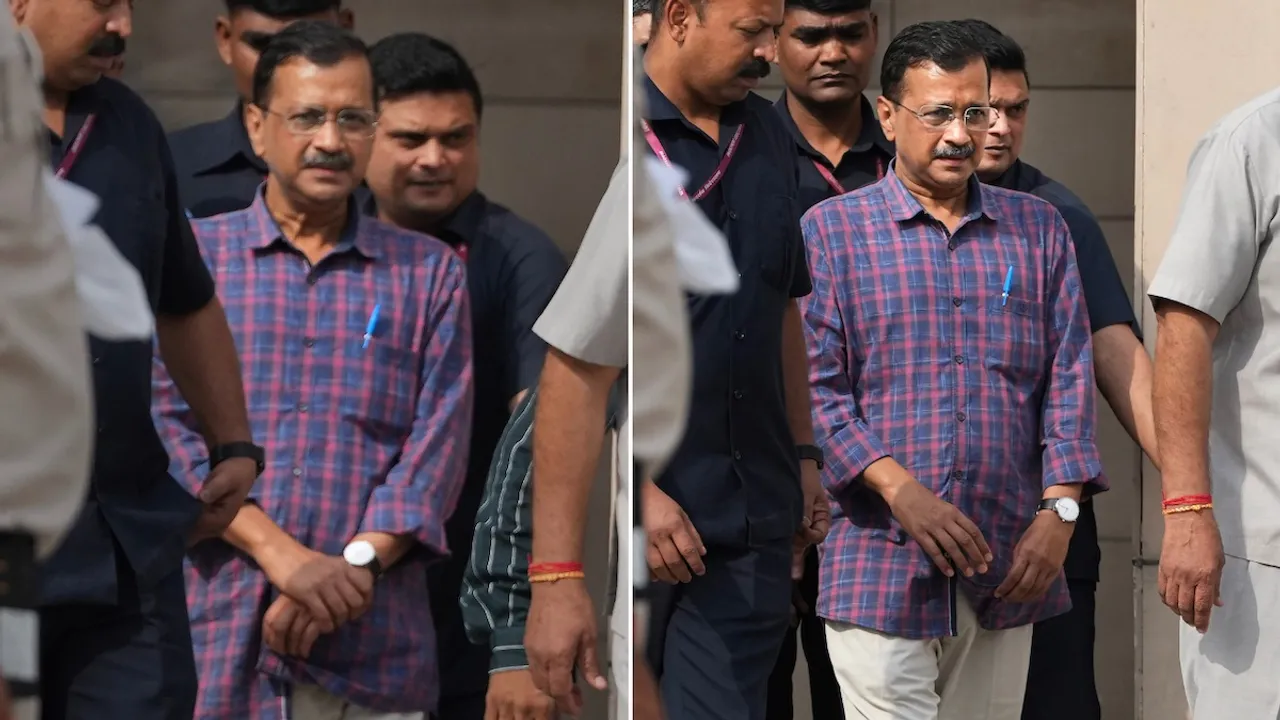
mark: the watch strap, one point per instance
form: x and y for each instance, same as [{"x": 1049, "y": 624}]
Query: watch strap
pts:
[
  {"x": 239, "y": 449},
  {"x": 812, "y": 452},
  {"x": 1048, "y": 504}
]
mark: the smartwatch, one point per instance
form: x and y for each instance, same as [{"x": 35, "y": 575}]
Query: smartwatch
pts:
[
  {"x": 1068, "y": 510},
  {"x": 226, "y": 451},
  {"x": 811, "y": 452},
  {"x": 360, "y": 553}
]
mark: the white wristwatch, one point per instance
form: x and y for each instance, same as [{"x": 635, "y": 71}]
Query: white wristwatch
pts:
[
  {"x": 361, "y": 554},
  {"x": 1068, "y": 510}
]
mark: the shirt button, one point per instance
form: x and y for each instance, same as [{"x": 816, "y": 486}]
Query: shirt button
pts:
[
  {"x": 959, "y": 417},
  {"x": 959, "y": 359},
  {"x": 297, "y": 472},
  {"x": 309, "y": 342},
  {"x": 311, "y": 279},
  {"x": 737, "y": 455},
  {"x": 739, "y": 335},
  {"x": 957, "y": 474},
  {"x": 951, "y": 245},
  {"x": 97, "y": 360},
  {"x": 303, "y": 407},
  {"x": 733, "y": 214},
  {"x": 737, "y": 394},
  {"x": 957, "y": 301}
]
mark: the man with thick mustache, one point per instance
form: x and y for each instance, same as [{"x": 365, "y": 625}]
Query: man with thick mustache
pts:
[
  {"x": 742, "y": 493},
  {"x": 952, "y": 378},
  {"x": 115, "y": 641},
  {"x": 357, "y": 350}
]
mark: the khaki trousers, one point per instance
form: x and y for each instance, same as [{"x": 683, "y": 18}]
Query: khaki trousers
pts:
[
  {"x": 976, "y": 675},
  {"x": 308, "y": 702}
]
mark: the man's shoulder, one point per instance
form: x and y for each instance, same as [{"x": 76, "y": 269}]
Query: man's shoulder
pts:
[
  {"x": 404, "y": 246},
  {"x": 857, "y": 205},
  {"x": 1055, "y": 193},
  {"x": 192, "y": 135},
  {"x": 1252, "y": 123},
  {"x": 215, "y": 232},
  {"x": 515, "y": 235},
  {"x": 128, "y": 104},
  {"x": 1020, "y": 203}
]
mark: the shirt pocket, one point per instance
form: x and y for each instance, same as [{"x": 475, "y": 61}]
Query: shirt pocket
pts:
[
  {"x": 385, "y": 405},
  {"x": 1014, "y": 341},
  {"x": 775, "y": 231}
]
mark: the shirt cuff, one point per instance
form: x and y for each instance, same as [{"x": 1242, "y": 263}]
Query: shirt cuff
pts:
[
  {"x": 1074, "y": 462},
  {"x": 507, "y": 647}
]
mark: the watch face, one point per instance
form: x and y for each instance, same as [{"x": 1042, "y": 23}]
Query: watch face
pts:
[
  {"x": 1068, "y": 509},
  {"x": 359, "y": 553}
]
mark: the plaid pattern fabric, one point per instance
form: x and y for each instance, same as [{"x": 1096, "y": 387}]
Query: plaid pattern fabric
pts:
[
  {"x": 914, "y": 354},
  {"x": 357, "y": 439}
]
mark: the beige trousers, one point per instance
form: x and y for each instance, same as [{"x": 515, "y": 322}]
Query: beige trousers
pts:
[
  {"x": 976, "y": 675},
  {"x": 308, "y": 702}
]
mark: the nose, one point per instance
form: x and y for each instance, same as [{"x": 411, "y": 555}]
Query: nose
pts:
[
  {"x": 831, "y": 53},
  {"x": 121, "y": 20},
  {"x": 432, "y": 155},
  {"x": 328, "y": 137},
  {"x": 957, "y": 134},
  {"x": 767, "y": 50},
  {"x": 1000, "y": 126}
]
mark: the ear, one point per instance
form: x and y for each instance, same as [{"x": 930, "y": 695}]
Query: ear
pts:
[
  {"x": 875, "y": 29},
  {"x": 19, "y": 10},
  {"x": 222, "y": 38},
  {"x": 884, "y": 111},
  {"x": 347, "y": 19},
  {"x": 255, "y": 119},
  {"x": 678, "y": 15}
]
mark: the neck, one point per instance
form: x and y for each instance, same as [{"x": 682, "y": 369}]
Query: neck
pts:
[
  {"x": 313, "y": 229},
  {"x": 830, "y": 128},
  {"x": 411, "y": 221},
  {"x": 55, "y": 108},
  {"x": 663, "y": 68},
  {"x": 945, "y": 204}
]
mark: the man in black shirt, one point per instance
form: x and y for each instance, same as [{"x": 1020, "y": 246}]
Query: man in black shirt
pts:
[
  {"x": 423, "y": 176},
  {"x": 826, "y": 51},
  {"x": 218, "y": 172},
  {"x": 1060, "y": 682},
  {"x": 743, "y": 488},
  {"x": 115, "y": 640}
]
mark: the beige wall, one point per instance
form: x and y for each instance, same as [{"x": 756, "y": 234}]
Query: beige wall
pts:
[
  {"x": 1182, "y": 49},
  {"x": 1081, "y": 58},
  {"x": 550, "y": 76}
]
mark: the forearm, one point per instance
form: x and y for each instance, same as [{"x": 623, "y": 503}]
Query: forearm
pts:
[
  {"x": 795, "y": 376},
  {"x": 200, "y": 355},
  {"x": 254, "y": 534},
  {"x": 1124, "y": 376},
  {"x": 568, "y": 437},
  {"x": 1181, "y": 398},
  {"x": 388, "y": 548}
]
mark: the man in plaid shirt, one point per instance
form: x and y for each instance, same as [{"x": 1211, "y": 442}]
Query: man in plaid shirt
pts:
[
  {"x": 355, "y": 339},
  {"x": 952, "y": 379}
]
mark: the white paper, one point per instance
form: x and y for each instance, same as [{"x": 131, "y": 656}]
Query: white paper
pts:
[
  {"x": 113, "y": 299},
  {"x": 703, "y": 259}
]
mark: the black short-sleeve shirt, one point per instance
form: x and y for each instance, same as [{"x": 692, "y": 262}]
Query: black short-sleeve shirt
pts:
[
  {"x": 736, "y": 472},
  {"x": 217, "y": 170},
  {"x": 513, "y": 270},
  {"x": 1108, "y": 304},
  {"x": 125, "y": 161},
  {"x": 863, "y": 164}
]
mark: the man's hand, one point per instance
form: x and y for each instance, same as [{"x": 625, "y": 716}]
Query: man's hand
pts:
[
  {"x": 561, "y": 634},
  {"x": 1191, "y": 561},
  {"x": 513, "y": 696},
  {"x": 223, "y": 492},
  {"x": 940, "y": 528},
  {"x": 330, "y": 589},
  {"x": 289, "y": 629},
  {"x": 675, "y": 549},
  {"x": 816, "y": 522},
  {"x": 1037, "y": 559}
]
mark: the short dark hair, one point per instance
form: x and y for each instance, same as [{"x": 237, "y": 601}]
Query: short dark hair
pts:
[
  {"x": 829, "y": 7},
  {"x": 284, "y": 9},
  {"x": 1002, "y": 52},
  {"x": 945, "y": 43},
  {"x": 317, "y": 42},
  {"x": 410, "y": 63},
  {"x": 640, "y": 7},
  {"x": 660, "y": 9}
]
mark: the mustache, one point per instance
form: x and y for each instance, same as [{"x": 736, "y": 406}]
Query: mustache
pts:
[
  {"x": 328, "y": 161},
  {"x": 755, "y": 68},
  {"x": 954, "y": 152},
  {"x": 108, "y": 46}
]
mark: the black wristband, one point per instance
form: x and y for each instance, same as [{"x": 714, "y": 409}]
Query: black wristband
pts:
[{"x": 812, "y": 452}]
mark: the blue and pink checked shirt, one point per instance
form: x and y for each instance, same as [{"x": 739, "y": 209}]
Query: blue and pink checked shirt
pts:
[
  {"x": 357, "y": 440},
  {"x": 915, "y": 355}
]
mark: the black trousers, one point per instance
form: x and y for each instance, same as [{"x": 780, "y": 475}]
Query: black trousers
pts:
[
  {"x": 824, "y": 691},
  {"x": 129, "y": 661},
  {"x": 713, "y": 642},
  {"x": 1060, "y": 681}
]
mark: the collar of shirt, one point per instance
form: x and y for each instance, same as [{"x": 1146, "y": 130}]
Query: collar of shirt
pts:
[
  {"x": 228, "y": 142},
  {"x": 80, "y": 105},
  {"x": 1020, "y": 177},
  {"x": 263, "y": 232},
  {"x": 871, "y": 138},
  {"x": 658, "y": 108},
  {"x": 460, "y": 228},
  {"x": 904, "y": 206}
]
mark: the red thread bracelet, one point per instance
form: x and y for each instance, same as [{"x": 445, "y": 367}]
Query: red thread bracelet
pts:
[
  {"x": 1184, "y": 500},
  {"x": 554, "y": 568}
]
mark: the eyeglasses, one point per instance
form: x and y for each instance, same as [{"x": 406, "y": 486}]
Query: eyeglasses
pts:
[
  {"x": 354, "y": 124},
  {"x": 939, "y": 117}
]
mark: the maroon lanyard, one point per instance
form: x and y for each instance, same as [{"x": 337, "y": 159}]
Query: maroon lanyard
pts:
[
  {"x": 715, "y": 176},
  {"x": 73, "y": 152},
  {"x": 835, "y": 184},
  {"x": 463, "y": 253}
]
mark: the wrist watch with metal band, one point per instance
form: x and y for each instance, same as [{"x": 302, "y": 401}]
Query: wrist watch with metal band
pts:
[
  {"x": 361, "y": 554},
  {"x": 811, "y": 452},
  {"x": 226, "y": 451},
  {"x": 1068, "y": 510}
]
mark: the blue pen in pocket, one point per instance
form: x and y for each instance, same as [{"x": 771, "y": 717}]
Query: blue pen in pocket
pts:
[
  {"x": 1004, "y": 296},
  {"x": 372, "y": 327}
]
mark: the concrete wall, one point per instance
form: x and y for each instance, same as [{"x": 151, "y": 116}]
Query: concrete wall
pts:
[
  {"x": 1182, "y": 49},
  {"x": 550, "y": 75},
  {"x": 1081, "y": 58}
]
